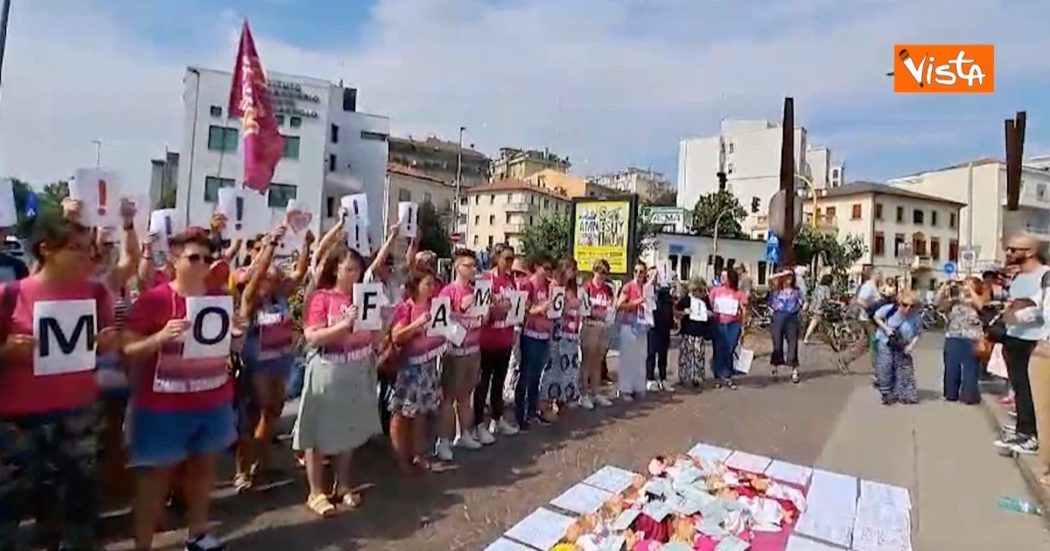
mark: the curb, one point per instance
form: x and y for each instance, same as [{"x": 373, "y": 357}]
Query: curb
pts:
[{"x": 1025, "y": 465}]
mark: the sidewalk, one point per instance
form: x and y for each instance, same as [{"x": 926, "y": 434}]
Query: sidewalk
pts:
[{"x": 941, "y": 452}]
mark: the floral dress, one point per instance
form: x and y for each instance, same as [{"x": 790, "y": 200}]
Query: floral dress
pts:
[
  {"x": 561, "y": 377},
  {"x": 417, "y": 388}
]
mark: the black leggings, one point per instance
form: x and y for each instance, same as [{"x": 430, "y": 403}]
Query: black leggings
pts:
[{"x": 494, "y": 364}]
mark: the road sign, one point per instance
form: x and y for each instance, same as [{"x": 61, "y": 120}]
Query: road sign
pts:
[{"x": 949, "y": 268}]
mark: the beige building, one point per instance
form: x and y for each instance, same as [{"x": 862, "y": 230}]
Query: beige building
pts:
[
  {"x": 986, "y": 199},
  {"x": 648, "y": 184},
  {"x": 500, "y": 211},
  {"x": 568, "y": 185},
  {"x": 408, "y": 184},
  {"x": 438, "y": 158},
  {"x": 890, "y": 220},
  {"x": 519, "y": 164}
]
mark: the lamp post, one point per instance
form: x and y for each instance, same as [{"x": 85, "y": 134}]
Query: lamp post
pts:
[
  {"x": 98, "y": 152},
  {"x": 459, "y": 178},
  {"x": 813, "y": 192},
  {"x": 714, "y": 240},
  {"x": 905, "y": 257}
]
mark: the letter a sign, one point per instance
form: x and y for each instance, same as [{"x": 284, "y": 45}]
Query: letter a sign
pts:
[
  {"x": 211, "y": 320},
  {"x": 65, "y": 331},
  {"x": 439, "y": 317}
]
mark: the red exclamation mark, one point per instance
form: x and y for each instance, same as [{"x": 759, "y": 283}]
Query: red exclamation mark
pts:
[
  {"x": 240, "y": 213},
  {"x": 102, "y": 197}
]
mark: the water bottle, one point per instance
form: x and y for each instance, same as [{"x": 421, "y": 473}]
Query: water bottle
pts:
[{"x": 1019, "y": 505}]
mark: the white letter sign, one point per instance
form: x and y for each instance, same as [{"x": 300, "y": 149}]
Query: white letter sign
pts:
[
  {"x": 233, "y": 204},
  {"x": 211, "y": 320},
  {"x": 8, "y": 210},
  {"x": 557, "y": 298},
  {"x": 357, "y": 239},
  {"x": 585, "y": 303},
  {"x": 408, "y": 217},
  {"x": 65, "y": 331},
  {"x": 163, "y": 223},
  {"x": 369, "y": 299},
  {"x": 98, "y": 191},
  {"x": 697, "y": 309},
  {"x": 482, "y": 297},
  {"x": 356, "y": 207},
  {"x": 516, "y": 314},
  {"x": 440, "y": 317}
]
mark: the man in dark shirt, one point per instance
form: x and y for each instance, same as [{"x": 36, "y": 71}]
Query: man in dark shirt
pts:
[{"x": 660, "y": 341}]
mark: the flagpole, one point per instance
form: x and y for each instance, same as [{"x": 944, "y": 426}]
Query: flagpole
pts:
[{"x": 4, "y": 15}]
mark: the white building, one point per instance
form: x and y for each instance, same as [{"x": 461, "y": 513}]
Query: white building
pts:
[
  {"x": 693, "y": 255},
  {"x": 889, "y": 220},
  {"x": 749, "y": 154},
  {"x": 983, "y": 230},
  {"x": 331, "y": 150},
  {"x": 648, "y": 184}
]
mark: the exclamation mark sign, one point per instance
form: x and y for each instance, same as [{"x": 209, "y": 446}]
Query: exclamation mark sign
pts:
[
  {"x": 239, "y": 204},
  {"x": 102, "y": 197},
  {"x": 410, "y": 224},
  {"x": 167, "y": 228},
  {"x": 357, "y": 212}
]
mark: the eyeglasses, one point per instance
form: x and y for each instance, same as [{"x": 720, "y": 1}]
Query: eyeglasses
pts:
[
  {"x": 907, "y": 304},
  {"x": 1017, "y": 249},
  {"x": 196, "y": 258}
]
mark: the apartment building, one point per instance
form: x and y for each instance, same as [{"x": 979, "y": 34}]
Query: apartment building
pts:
[
  {"x": 981, "y": 186},
  {"x": 439, "y": 158},
  {"x": 897, "y": 225},
  {"x": 408, "y": 184},
  {"x": 518, "y": 164},
  {"x": 500, "y": 211},
  {"x": 568, "y": 185},
  {"x": 647, "y": 184}
]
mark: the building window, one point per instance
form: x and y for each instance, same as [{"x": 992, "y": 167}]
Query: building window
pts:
[
  {"x": 492, "y": 219},
  {"x": 404, "y": 195},
  {"x": 530, "y": 220},
  {"x": 477, "y": 220},
  {"x": 900, "y": 215},
  {"x": 855, "y": 215},
  {"x": 295, "y": 122},
  {"x": 331, "y": 162},
  {"x": 935, "y": 248},
  {"x": 918, "y": 216},
  {"x": 477, "y": 199},
  {"x": 280, "y": 120},
  {"x": 831, "y": 212},
  {"x": 280, "y": 194},
  {"x": 898, "y": 244},
  {"x": 952, "y": 221},
  {"x": 546, "y": 203},
  {"x": 510, "y": 197},
  {"x": 507, "y": 221},
  {"x": 475, "y": 240},
  {"x": 216, "y": 111},
  {"x": 953, "y": 250},
  {"x": 492, "y": 198},
  {"x": 763, "y": 269},
  {"x": 933, "y": 218},
  {"x": 221, "y": 138},
  {"x": 334, "y": 131},
  {"x": 291, "y": 147},
  {"x": 212, "y": 185},
  {"x": 374, "y": 136},
  {"x": 880, "y": 244},
  {"x": 918, "y": 244},
  {"x": 878, "y": 211},
  {"x": 329, "y": 207},
  {"x": 730, "y": 147},
  {"x": 490, "y": 241}
]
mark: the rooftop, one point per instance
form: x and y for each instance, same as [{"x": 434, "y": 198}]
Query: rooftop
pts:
[
  {"x": 394, "y": 168},
  {"x": 865, "y": 188},
  {"x": 511, "y": 184},
  {"x": 976, "y": 162},
  {"x": 434, "y": 143}
]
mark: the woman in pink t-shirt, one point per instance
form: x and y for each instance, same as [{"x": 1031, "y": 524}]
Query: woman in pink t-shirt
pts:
[
  {"x": 47, "y": 410},
  {"x": 417, "y": 390},
  {"x": 634, "y": 334},
  {"x": 338, "y": 407},
  {"x": 535, "y": 344},
  {"x": 594, "y": 335},
  {"x": 727, "y": 306}
]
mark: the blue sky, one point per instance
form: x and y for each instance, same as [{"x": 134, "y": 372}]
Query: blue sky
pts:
[{"x": 608, "y": 82}]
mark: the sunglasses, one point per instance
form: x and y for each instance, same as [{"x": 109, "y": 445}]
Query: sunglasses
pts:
[
  {"x": 197, "y": 258},
  {"x": 1017, "y": 249},
  {"x": 907, "y": 304}
]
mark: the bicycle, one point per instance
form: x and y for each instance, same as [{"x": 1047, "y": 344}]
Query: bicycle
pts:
[{"x": 932, "y": 318}]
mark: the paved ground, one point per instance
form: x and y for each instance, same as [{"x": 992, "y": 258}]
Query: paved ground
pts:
[{"x": 940, "y": 451}]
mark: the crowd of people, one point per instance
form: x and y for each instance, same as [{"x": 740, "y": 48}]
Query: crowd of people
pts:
[{"x": 143, "y": 409}]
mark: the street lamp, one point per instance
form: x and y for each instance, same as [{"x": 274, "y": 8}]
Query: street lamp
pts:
[
  {"x": 714, "y": 241},
  {"x": 459, "y": 178},
  {"x": 905, "y": 257}
]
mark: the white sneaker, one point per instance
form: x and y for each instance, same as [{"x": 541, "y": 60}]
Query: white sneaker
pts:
[
  {"x": 652, "y": 386},
  {"x": 586, "y": 403},
  {"x": 484, "y": 436},
  {"x": 668, "y": 387},
  {"x": 602, "y": 401},
  {"x": 467, "y": 441},
  {"x": 504, "y": 428},
  {"x": 443, "y": 450},
  {"x": 626, "y": 397}
]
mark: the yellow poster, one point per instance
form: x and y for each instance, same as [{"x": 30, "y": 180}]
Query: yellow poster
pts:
[{"x": 602, "y": 231}]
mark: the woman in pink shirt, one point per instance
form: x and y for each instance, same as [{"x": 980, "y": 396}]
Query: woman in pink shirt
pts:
[
  {"x": 535, "y": 344},
  {"x": 48, "y": 412},
  {"x": 461, "y": 364},
  {"x": 497, "y": 341},
  {"x": 337, "y": 411},
  {"x": 417, "y": 390},
  {"x": 560, "y": 383},
  {"x": 594, "y": 336},
  {"x": 727, "y": 306},
  {"x": 634, "y": 334}
]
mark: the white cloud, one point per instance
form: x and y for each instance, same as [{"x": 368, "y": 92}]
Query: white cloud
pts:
[{"x": 612, "y": 82}]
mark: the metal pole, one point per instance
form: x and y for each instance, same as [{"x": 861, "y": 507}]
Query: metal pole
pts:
[
  {"x": 714, "y": 241},
  {"x": 98, "y": 152},
  {"x": 787, "y": 181},
  {"x": 4, "y": 14},
  {"x": 459, "y": 178},
  {"x": 193, "y": 144},
  {"x": 969, "y": 208}
]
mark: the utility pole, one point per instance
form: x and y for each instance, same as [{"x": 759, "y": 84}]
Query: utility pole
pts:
[
  {"x": 787, "y": 182},
  {"x": 459, "y": 183},
  {"x": 1015, "y": 129},
  {"x": 98, "y": 152},
  {"x": 5, "y": 12}
]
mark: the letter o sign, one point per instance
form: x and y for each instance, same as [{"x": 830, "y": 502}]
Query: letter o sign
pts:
[{"x": 211, "y": 326}]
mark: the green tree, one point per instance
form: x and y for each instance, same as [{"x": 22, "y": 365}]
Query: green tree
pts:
[
  {"x": 433, "y": 232},
  {"x": 665, "y": 196},
  {"x": 813, "y": 245},
  {"x": 56, "y": 192},
  {"x": 46, "y": 208},
  {"x": 551, "y": 236},
  {"x": 723, "y": 207}
]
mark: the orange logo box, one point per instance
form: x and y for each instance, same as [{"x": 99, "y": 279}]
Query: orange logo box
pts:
[{"x": 943, "y": 68}]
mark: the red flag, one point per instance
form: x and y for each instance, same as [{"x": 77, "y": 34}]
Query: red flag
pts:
[{"x": 250, "y": 99}]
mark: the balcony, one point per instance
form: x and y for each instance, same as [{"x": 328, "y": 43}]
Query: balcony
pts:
[
  {"x": 517, "y": 207},
  {"x": 514, "y": 228},
  {"x": 922, "y": 262}
]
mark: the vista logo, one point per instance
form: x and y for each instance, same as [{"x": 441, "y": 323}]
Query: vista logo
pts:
[{"x": 944, "y": 68}]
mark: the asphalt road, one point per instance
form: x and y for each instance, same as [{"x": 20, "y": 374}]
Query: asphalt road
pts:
[{"x": 490, "y": 490}]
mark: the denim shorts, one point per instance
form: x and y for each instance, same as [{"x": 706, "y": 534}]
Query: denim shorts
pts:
[{"x": 165, "y": 438}]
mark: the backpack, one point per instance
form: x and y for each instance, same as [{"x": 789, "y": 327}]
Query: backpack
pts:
[{"x": 879, "y": 303}]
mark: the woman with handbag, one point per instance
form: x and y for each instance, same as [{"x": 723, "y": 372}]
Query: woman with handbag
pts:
[
  {"x": 338, "y": 408},
  {"x": 963, "y": 337}
]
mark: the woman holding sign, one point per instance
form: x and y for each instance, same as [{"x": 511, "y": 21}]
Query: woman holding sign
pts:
[
  {"x": 594, "y": 335},
  {"x": 417, "y": 389},
  {"x": 337, "y": 411},
  {"x": 560, "y": 383},
  {"x": 693, "y": 313},
  {"x": 48, "y": 391},
  {"x": 633, "y": 335},
  {"x": 180, "y": 336},
  {"x": 727, "y": 304},
  {"x": 535, "y": 344},
  {"x": 269, "y": 349}
]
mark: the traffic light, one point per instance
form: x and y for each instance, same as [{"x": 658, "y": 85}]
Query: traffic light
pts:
[
  {"x": 754, "y": 205},
  {"x": 721, "y": 181}
]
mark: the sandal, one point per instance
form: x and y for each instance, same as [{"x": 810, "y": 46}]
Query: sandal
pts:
[
  {"x": 350, "y": 499},
  {"x": 318, "y": 503},
  {"x": 243, "y": 483}
]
